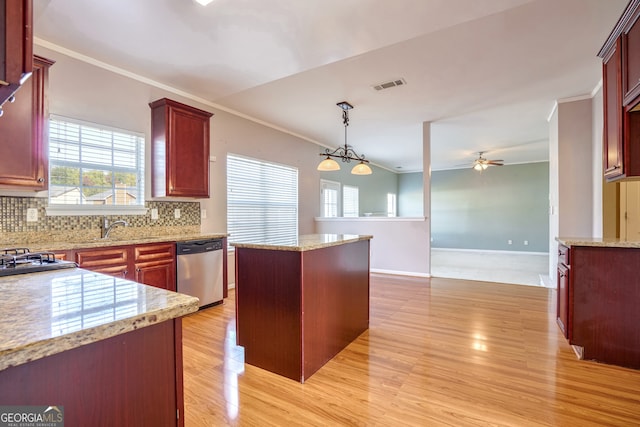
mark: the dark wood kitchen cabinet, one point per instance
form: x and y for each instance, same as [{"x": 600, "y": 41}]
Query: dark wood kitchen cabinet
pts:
[
  {"x": 151, "y": 264},
  {"x": 598, "y": 299},
  {"x": 621, "y": 90},
  {"x": 24, "y": 139},
  {"x": 630, "y": 45},
  {"x": 180, "y": 150},
  {"x": 113, "y": 261},
  {"x": 16, "y": 46},
  {"x": 155, "y": 265}
]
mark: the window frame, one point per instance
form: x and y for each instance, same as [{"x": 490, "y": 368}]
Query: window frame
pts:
[
  {"x": 54, "y": 209},
  {"x": 326, "y": 184},
  {"x": 355, "y": 202}
]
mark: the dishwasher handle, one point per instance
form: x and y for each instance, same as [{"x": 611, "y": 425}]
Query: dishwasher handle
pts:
[{"x": 198, "y": 246}]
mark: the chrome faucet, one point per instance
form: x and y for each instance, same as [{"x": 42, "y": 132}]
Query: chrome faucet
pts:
[{"x": 107, "y": 227}]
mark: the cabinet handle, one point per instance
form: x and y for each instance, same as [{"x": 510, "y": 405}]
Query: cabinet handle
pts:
[
  {"x": 124, "y": 274},
  {"x": 612, "y": 168},
  {"x": 41, "y": 179}
]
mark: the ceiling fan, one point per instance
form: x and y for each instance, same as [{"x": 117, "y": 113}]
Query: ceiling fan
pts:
[{"x": 481, "y": 163}]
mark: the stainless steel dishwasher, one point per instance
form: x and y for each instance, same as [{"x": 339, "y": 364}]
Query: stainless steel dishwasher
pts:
[{"x": 199, "y": 270}]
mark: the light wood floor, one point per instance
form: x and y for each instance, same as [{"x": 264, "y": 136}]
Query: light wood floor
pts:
[{"x": 438, "y": 352}]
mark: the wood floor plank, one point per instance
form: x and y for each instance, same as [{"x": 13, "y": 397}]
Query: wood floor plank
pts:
[{"x": 439, "y": 352}]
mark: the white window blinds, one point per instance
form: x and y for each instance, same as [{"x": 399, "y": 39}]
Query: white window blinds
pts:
[
  {"x": 350, "y": 203},
  {"x": 262, "y": 201},
  {"x": 90, "y": 164},
  {"x": 329, "y": 198}
]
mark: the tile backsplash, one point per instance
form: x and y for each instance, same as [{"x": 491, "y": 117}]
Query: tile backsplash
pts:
[{"x": 13, "y": 219}]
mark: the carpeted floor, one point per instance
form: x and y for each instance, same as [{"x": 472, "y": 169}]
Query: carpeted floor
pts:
[{"x": 491, "y": 266}]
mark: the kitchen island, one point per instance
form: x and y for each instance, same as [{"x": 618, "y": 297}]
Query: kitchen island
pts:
[
  {"x": 300, "y": 302},
  {"x": 107, "y": 350},
  {"x": 598, "y": 298}
]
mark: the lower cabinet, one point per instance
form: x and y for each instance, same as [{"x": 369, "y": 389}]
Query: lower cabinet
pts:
[
  {"x": 155, "y": 265},
  {"x": 598, "y": 296},
  {"x": 111, "y": 261},
  {"x": 152, "y": 264}
]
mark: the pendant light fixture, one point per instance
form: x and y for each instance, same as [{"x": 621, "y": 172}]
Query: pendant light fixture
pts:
[{"x": 346, "y": 153}]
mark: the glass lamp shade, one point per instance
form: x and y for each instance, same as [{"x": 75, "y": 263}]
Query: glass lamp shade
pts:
[
  {"x": 328, "y": 165},
  {"x": 478, "y": 167},
  {"x": 361, "y": 169}
]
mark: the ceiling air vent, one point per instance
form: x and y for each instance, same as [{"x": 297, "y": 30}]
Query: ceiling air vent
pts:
[{"x": 390, "y": 84}]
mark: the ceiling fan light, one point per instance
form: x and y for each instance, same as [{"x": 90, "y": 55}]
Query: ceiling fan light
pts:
[
  {"x": 484, "y": 166},
  {"x": 328, "y": 165},
  {"x": 204, "y": 2},
  {"x": 361, "y": 169},
  {"x": 478, "y": 167}
]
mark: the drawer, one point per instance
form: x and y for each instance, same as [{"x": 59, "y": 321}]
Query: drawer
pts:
[{"x": 564, "y": 253}]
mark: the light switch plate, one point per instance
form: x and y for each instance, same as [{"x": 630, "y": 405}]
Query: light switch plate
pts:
[
  {"x": 176, "y": 213},
  {"x": 32, "y": 215},
  {"x": 203, "y": 214},
  {"x": 154, "y": 213}
]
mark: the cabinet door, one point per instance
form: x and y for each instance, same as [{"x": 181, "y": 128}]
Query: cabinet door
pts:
[
  {"x": 24, "y": 134},
  {"x": 180, "y": 150},
  {"x": 563, "y": 317},
  {"x": 155, "y": 265},
  {"x": 111, "y": 261},
  {"x": 631, "y": 59},
  {"x": 613, "y": 137},
  {"x": 161, "y": 274},
  {"x": 16, "y": 45}
]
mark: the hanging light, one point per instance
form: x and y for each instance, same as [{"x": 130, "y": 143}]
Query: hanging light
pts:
[{"x": 346, "y": 153}]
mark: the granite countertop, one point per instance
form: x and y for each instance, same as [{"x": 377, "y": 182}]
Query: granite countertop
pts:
[
  {"x": 42, "y": 314},
  {"x": 598, "y": 242},
  {"x": 116, "y": 241},
  {"x": 305, "y": 242}
]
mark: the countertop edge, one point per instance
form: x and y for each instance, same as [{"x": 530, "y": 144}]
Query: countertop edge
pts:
[
  {"x": 302, "y": 247},
  {"x": 104, "y": 243},
  {"x": 49, "y": 347},
  {"x": 597, "y": 242}
]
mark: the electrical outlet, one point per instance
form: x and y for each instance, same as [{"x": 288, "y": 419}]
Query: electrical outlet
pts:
[
  {"x": 510, "y": 242},
  {"x": 154, "y": 214},
  {"x": 526, "y": 242},
  {"x": 32, "y": 215},
  {"x": 203, "y": 214},
  {"x": 176, "y": 213}
]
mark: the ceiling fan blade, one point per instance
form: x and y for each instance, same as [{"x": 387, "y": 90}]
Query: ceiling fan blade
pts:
[{"x": 492, "y": 163}]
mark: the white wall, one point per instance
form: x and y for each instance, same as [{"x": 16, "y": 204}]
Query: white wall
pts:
[
  {"x": 597, "y": 133},
  {"x": 80, "y": 90},
  {"x": 399, "y": 245},
  {"x": 575, "y": 140}
]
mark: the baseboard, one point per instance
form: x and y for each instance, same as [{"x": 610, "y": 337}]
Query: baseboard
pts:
[
  {"x": 399, "y": 273},
  {"x": 490, "y": 251}
]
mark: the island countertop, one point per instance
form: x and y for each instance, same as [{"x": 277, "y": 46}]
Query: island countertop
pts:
[
  {"x": 598, "y": 242},
  {"x": 304, "y": 242},
  {"x": 46, "y": 313}
]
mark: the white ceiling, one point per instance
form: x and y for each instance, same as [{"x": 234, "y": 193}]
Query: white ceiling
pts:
[{"x": 486, "y": 73}]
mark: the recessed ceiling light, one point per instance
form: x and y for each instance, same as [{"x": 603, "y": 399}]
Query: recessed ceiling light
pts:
[{"x": 204, "y": 2}]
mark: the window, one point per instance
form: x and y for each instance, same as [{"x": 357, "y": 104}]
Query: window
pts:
[
  {"x": 391, "y": 204},
  {"x": 92, "y": 165},
  {"x": 262, "y": 201},
  {"x": 350, "y": 201},
  {"x": 329, "y": 198}
]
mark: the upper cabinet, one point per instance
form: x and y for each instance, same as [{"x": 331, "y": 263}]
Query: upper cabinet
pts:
[
  {"x": 16, "y": 45},
  {"x": 180, "y": 150},
  {"x": 24, "y": 131},
  {"x": 621, "y": 90},
  {"x": 630, "y": 39}
]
